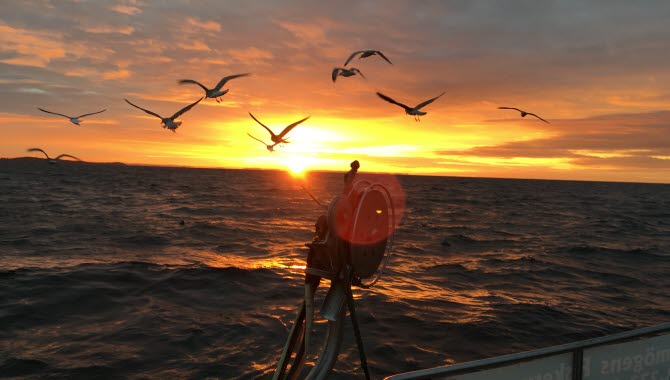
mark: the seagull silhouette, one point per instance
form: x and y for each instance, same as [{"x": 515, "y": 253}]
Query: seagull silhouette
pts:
[
  {"x": 168, "y": 122},
  {"x": 339, "y": 71},
  {"x": 73, "y": 120},
  {"x": 214, "y": 93},
  {"x": 523, "y": 113},
  {"x": 49, "y": 159},
  {"x": 414, "y": 111},
  {"x": 365, "y": 54},
  {"x": 271, "y": 148},
  {"x": 279, "y": 139}
]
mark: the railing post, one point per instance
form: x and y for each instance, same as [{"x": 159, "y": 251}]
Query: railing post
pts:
[{"x": 577, "y": 363}]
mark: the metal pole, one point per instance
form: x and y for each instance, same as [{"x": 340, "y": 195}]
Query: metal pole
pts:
[
  {"x": 357, "y": 330},
  {"x": 577, "y": 363},
  {"x": 296, "y": 331}
]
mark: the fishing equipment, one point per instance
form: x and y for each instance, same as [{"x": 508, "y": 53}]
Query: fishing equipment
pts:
[{"x": 352, "y": 244}]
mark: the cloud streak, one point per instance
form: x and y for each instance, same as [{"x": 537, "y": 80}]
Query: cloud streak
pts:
[
  {"x": 126, "y": 9},
  {"x": 610, "y": 141}
]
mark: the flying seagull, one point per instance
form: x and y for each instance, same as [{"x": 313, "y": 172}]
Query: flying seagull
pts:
[
  {"x": 73, "y": 120},
  {"x": 168, "y": 122},
  {"x": 49, "y": 159},
  {"x": 279, "y": 139},
  {"x": 339, "y": 71},
  {"x": 214, "y": 93},
  {"x": 365, "y": 54},
  {"x": 414, "y": 111},
  {"x": 271, "y": 148},
  {"x": 523, "y": 113}
]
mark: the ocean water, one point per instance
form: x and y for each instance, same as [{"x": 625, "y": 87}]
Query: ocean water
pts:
[{"x": 113, "y": 271}]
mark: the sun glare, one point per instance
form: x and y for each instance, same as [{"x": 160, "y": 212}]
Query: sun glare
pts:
[{"x": 296, "y": 166}]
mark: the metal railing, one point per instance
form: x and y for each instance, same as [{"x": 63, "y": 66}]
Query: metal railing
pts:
[{"x": 576, "y": 349}]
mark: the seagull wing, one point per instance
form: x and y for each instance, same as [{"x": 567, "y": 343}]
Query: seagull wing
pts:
[
  {"x": 145, "y": 110},
  {"x": 383, "y": 56},
  {"x": 392, "y": 101},
  {"x": 361, "y": 74},
  {"x": 259, "y": 140},
  {"x": 38, "y": 150},
  {"x": 263, "y": 125},
  {"x": 335, "y": 72},
  {"x": 509, "y": 108},
  {"x": 54, "y": 113},
  {"x": 532, "y": 114},
  {"x": 184, "y": 81},
  {"x": 188, "y": 107},
  {"x": 288, "y": 129},
  {"x": 427, "y": 102},
  {"x": 353, "y": 55},
  {"x": 67, "y": 155},
  {"x": 226, "y": 79},
  {"x": 89, "y": 114}
]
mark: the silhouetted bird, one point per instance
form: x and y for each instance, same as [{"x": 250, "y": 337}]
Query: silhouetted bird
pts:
[
  {"x": 271, "y": 148},
  {"x": 73, "y": 120},
  {"x": 414, "y": 111},
  {"x": 279, "y": 139},
  {"x": 339, "y": 71},
  {"x": 49, "y": 159},
  {"x": 523, "y": 113},
  {"x": 214, "y": 93},
  {"x": 365, "y": 54},
  {"x": 168, "y": 122}
]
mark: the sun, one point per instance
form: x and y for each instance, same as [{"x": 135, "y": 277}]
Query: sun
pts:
[{"x": 296, "y": 166}]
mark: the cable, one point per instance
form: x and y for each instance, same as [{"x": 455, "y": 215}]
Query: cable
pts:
[{"x": 314, "y": 198}]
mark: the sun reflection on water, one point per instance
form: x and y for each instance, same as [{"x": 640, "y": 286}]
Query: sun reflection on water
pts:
[{"x": 216, "y": 260}]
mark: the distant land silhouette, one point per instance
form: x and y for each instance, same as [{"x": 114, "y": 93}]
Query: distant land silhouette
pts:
[{"x": 41, "y": 160}]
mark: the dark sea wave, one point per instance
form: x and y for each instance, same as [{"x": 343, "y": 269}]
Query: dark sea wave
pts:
[{"x": 112, "y": 271}]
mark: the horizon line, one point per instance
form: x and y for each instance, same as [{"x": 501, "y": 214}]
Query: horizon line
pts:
[{"x": 336, "y": 171}]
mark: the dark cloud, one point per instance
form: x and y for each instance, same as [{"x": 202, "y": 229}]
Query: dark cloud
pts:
[
  {"x": 636, "y": 161},
  {"x": 636, "y": 140}
]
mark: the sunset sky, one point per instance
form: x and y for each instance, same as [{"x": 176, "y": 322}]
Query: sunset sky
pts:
[{"x": 598, "y": 71}]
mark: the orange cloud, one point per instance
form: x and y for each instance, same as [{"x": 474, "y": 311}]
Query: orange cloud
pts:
[
  {"x": 312, "y": 32},
  {"x": 250, "y": 54},
  {"x": 151, "y": 46},
  {"x": 181, "y": 97},
  {"x": 127, "y": 9},
  {"x": 95, "y": 74},
  {"x": 194, "y": 46},
  {"x": 311, "y": 38},
  {"x": 34, "y": 48},
  {"x": 211, "y": 61},
  {"x": 641, "y": 101},
  {"x": 107, "y": 29},
  {"x": 13, "y": 118},
  {"x": 209, "y": 26},
  {"x": 119, "y": 74}
]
